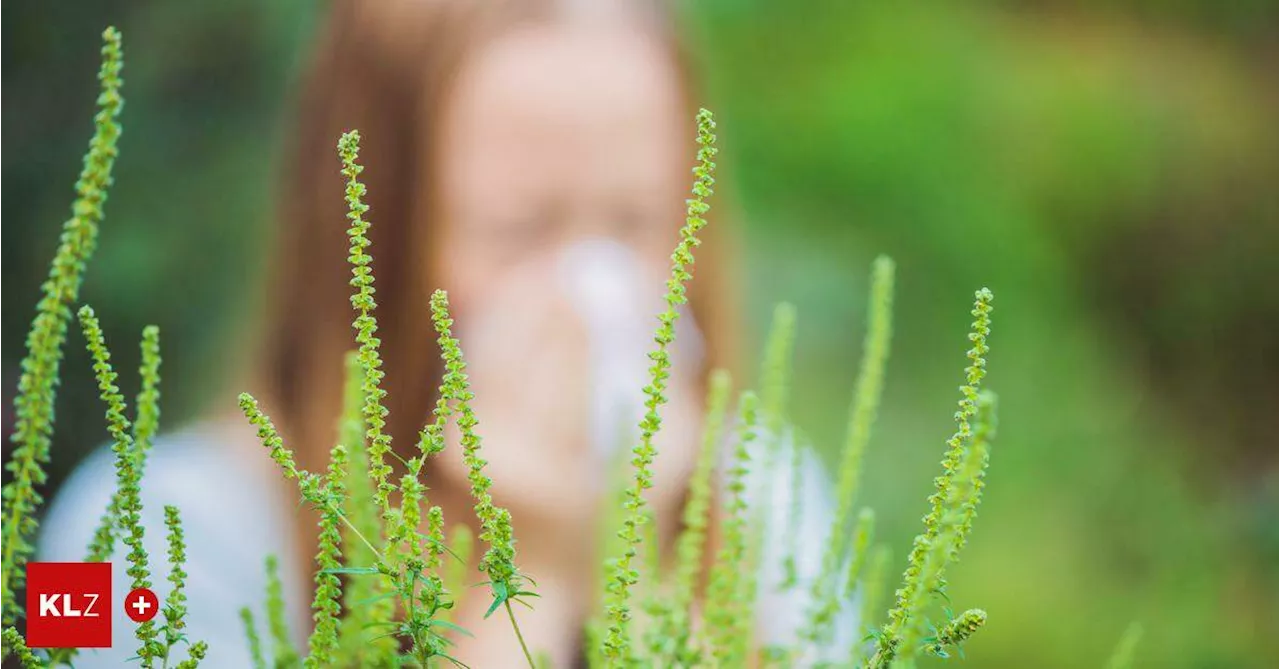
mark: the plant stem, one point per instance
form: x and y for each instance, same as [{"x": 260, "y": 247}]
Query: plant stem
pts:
[{"x": 516, "y": 626}]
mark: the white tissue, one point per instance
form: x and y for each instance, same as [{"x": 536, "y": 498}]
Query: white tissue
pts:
[{"x": 617, "y": 302}]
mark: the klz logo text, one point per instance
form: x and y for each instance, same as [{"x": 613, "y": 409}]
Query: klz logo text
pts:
[
  {"x": 69, "y": 604},
  {"x": 61, "y": 606}
]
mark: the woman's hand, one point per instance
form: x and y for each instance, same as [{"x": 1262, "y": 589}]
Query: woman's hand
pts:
[{"x": 557, "y": 355}]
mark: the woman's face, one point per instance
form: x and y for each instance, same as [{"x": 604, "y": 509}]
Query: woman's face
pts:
[
  {"x": 556, "y": 134},
  {"x": 563, "y": 158}
]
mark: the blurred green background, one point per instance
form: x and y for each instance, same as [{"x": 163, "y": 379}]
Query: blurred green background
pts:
[{"x": 1107, "y": 168}]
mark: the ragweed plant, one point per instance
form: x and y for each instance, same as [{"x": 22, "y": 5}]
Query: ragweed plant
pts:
[
  {"x": 825, "y": 592},
  {"x": 498, "y": 562},
  {"x": 327, "y": 605},
  {"x": 254, "y": 639},
  {"x": 408, "y": 562},
  {"x": 367, "y": 600},
  {"x": 727, "y": 592},
  {"x": 124, "y": 511},
  {"x": 957, "y": 492},
  {"x": 622, "y": 574},
  {"x": 175, "y": 605},
  {"x": 148, "y": 408},
  {"x": 862, "y": 537},
  {"x": 366, "y": 327},
  {"x": 851, "y": 567},
  {"x": 285, "y": 655},
  {"x": 872, "y": 589},
  {"x": 33, "y": 404},
  {"x": 130, "y": 439},
  {"x": 129, "y": 465},
  {"x": 775, "y": 380},
  {"x": 386, "y": 577},
  {"x": 670, "y": 637}
]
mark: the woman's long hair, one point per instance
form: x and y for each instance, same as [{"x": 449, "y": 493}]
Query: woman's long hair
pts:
[{"x": 385, "y": 68}]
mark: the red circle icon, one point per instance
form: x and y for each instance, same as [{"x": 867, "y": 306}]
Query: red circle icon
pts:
[{"x": 141, "y": 605}]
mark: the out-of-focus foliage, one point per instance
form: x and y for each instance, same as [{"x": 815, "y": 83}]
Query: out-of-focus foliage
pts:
[
  {"x": 1107, "y": 168},
  {"x": 196, "y": 175},
  {"x": 1109, "y": 171}
]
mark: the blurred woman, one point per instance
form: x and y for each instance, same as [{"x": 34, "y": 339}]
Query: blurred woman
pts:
[{"x": 530, "y": 157}]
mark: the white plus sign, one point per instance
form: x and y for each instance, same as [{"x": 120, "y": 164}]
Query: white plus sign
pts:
[{"x": 141, "y": 605}]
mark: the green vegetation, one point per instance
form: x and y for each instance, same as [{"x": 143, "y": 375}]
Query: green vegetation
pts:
[
  {"x": 33, "y": 406},
  {"x": 396, "y": 557}
]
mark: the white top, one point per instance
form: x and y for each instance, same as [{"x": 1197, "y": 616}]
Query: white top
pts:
[
  {"x": 234, "y": 515},
  {"x": 784, "y": 613}
]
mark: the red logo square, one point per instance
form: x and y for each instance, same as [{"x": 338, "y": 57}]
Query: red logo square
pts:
[{"x": 69, "y": 604}]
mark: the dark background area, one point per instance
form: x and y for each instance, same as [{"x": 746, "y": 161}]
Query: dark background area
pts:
[{"x": 1107, "y": 168}]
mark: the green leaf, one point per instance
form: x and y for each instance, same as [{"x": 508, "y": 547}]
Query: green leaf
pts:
[{"x": 350, "y": 570}]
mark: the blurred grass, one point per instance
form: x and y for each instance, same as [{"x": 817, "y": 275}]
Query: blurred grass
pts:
[
  {"x": 1107, "y": 178},
  {"x": 205, "y": 88},
  {"x": 1106, "y": 168}
]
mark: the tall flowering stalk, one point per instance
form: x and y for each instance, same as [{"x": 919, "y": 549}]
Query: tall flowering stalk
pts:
[
  {"x": 33, "y": 404},
  {"x": 317, "y": 491},
  {"x": 130, "y": 463},
  {"x": 144, "y": 429},
  {"x": 147, "y": 405},
  {"x": 435, "y": 598},
  {"x": 862, "y": 537},
  {"x": 284, "y": 652},
  {"x": 498, "y": 562},
  {"x": 404, "y": 550},
  {"x": 326, "y": 494},
  {"x": 128, "y": 476},
  {"x": 775, "y": 388},
  {"x": 326, "y": 606},
  {"x": 623, "y": 576},
  {"x": 366, "y": 598},
  {"x": 175, "y": 605},
  {"x": 312, "y": 489},
  {"x": 775, "y": 373},
  {"x": 824, "y": 593},
  {"x": 412, "y": 587},
  {"x": 308, "y": 484},
  {"x": 675, "y": 623},
  {"x": 936, "y": 545},
  {"x": 378, "y": 443},
  {"x": 256, "y": 657},
  {"x": 873, "y": 587},
  {"x": 728, "y": 636},
  {"x": 974, "y": 466},
  {"x": 366, "y": 326}
]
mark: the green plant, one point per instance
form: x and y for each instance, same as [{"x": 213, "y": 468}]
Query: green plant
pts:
[
  {"x": 622, "y": 576},
  {"x": 1122, "y": 656},
  {"x": 130, "y": 440},
  {"x": 727, "y": 593},
  {"x": 386, "y": 580},
  {"x": 33, "y": 406}
]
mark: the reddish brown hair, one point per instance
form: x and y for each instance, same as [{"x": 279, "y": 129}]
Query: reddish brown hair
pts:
[{"x": 384, "y": 68}]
